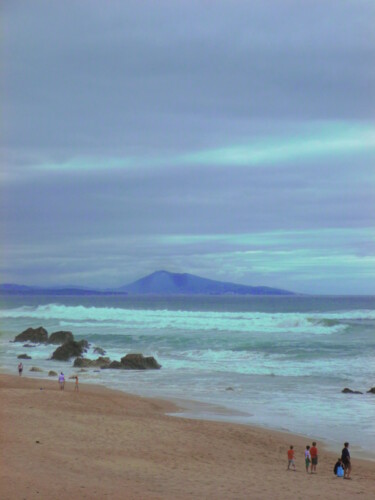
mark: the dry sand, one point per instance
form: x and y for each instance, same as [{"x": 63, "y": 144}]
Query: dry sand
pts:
[{"x": 101, "y": 444}]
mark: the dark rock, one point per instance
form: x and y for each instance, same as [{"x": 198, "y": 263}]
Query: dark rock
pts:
[
  {"x": 36, "y": 335},
  {"x": 51, "y": 373},
  {"x": 60, "y": 337},
  {"x": 23, "y": 356},
  {"x": 99, "y": 350},
  {"x": 84, "y": 344},
  {"x": 28, "y": 345},
  {"x": 88, "y": 363},
  {"x": 349, "y": 391},
  {"x": 371, "y": 391},
  {"x": 139, "y": 362},
  {"x": 70, "y": 349},
  {"x": 115, "y": 365},
  {"x": 35, "y": 369},
  {"x": 229, "y": 389}
]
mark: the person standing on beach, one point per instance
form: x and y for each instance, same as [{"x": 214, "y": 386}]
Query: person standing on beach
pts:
[
  {"x": 314, "y": 457},
  {"x": 345, "y": 458},
  {"x": 307, "y": 458},
  {"x": 61, "y": 381},
  {"x": 76, "y": 384},
  {"x": 291, "y": 458},
  {"x": 20, "y": 369}
]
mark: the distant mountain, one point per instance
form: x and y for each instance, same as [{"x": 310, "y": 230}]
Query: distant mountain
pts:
[
  {"x": 157, "y": 283},
  {"x": 11, "y": 289},
  {"x": 164, "y": 282}
]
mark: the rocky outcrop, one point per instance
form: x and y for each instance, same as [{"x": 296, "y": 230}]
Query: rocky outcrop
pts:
[
  {"x": 23, "y": 356},
  {"x": 60, "y": 337},
  {"x": 139, "y": 362},
  {"x": 115, "y": 365},
  {"x": 89, "y": 363},
  {"x": 51, "y": 373},
  {"x": 371, "y": 391},
  {"x": 134, "y": 362},
  {"x": 84, "y": 344},
  {"x": 99, "y": 350},
  {"x": 28, "y": 345},
  {"x": 350, "y": 391},
  {"x": 35, "y": 369},
  {"x": 35, "y": 335},
  {"x": 70, "y": 349}
]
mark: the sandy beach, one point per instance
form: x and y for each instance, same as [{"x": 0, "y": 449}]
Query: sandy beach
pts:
[{"x": 100, "y": 443}]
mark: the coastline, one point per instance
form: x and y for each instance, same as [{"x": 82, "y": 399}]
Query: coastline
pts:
[{"x": 105, "y": 443}]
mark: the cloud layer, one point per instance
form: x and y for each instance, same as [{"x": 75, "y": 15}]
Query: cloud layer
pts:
[{"x": 234, "y": 140}]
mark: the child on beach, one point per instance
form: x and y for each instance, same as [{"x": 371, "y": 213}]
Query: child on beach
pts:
[
  {"x": 291, "y": 458},
  {"x": 338, "y": 469},
  {"x": 307, "y": 458},
  {"x": 314, "y": 457},
  {"x": 76, "y": 384},
  {"x": 61, "y": 381},
  {"x": 20, "y": 368}
]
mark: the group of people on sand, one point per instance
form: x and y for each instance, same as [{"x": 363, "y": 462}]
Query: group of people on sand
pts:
[
  {"x": 62, "y": 382},
  {"x": 342, "y": 467},
  {"x": 61, "y": 379}
]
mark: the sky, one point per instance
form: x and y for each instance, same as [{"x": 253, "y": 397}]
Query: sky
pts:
[{"x": 234, "y": 140}]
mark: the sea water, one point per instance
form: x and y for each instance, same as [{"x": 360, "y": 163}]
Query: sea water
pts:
[{"x": 278, "y": 362}]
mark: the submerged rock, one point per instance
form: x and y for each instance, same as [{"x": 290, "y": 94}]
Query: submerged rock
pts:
[
  {"x": 51, "y": 373},
  {"x": 70, "y": 349},
  {"x": 60, "y": 337},
  {"x": 139, "y": 362},
  {"x": 350, "y": 391},
  {"x": 23, "y": 356},
  {"x": 35, "y": 369},
  {"x": 99, "y": 350},
  {"x": 371, "y": 391},
  {"x": 28, "y": 345},
  {"x": 36, "y": 335},
  {"x": 87, "y": 363}
]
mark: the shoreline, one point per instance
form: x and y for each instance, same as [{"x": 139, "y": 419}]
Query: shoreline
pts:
[
  {"x": 210, "y": 412},
  {"x": 103, "y": 442}
]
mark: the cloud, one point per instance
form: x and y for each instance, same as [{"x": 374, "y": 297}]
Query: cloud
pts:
[{"x": 226, "y": 139}]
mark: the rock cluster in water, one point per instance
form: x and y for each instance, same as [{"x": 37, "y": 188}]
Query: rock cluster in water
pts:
[
  {"x": 128, "y": 362},
  {"x": 70, "y": 348},
  {"x": 350, "y": 391},
  {"x": 40, "y": 336}
]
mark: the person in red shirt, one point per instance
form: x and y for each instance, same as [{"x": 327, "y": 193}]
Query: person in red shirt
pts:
[
  {"x": 291, "y": 458},
  {"x": 314, "y": 457}
]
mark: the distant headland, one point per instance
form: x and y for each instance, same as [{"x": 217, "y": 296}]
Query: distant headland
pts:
[{"x": 157, "y": 283}]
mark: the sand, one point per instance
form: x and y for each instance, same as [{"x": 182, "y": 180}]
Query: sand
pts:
[{"x": 101, "y": 444}]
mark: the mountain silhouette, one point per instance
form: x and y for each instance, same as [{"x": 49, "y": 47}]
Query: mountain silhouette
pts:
[{"x": 164, "y": 282}]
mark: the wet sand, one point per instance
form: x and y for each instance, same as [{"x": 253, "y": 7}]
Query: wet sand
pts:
[{"x": 101, "y": 444}]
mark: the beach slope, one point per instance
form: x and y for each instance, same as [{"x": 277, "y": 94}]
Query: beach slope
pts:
[{"x": 102, "y": 444}]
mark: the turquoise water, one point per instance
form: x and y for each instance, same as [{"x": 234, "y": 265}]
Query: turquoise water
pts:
[{"x": 286, "y": 359}]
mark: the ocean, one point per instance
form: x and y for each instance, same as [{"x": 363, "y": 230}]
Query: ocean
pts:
[{"x": 277, "y": 362}]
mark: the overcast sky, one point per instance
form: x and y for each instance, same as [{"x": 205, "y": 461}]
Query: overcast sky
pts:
[{"x": 230, "y": 139}]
